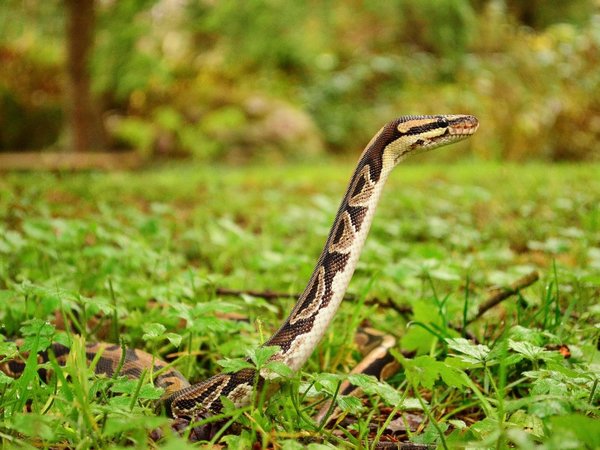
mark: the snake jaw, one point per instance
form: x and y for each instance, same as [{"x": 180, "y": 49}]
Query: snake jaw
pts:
[
  {"x": 462, "y": 127},
  {"x": 457, "y": 129}
]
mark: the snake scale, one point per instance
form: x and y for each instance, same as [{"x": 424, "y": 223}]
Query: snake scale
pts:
[{"x": 298, "y": 336}]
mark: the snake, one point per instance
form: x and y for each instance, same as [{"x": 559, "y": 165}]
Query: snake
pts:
[{"x": 310, "y": 317}]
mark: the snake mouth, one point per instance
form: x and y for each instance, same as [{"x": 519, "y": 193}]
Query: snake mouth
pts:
[
  {"x": 462, "y": 125},
  {"x": 458, "y": 128}
]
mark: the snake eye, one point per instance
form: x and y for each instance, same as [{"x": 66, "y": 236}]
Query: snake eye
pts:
[{"x": 442, "y": 122}]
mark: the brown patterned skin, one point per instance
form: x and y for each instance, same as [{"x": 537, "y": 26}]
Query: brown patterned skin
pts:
[
  {"x": 303, "y": 329},
  {"x": 108, "y": 359}
]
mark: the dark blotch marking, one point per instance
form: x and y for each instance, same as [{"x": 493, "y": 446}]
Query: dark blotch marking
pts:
[
  {"x": 311, "y": 294},
  {"x": 60, "y": 350},
  {"x": 16, "y": 367},
  {"x": 375, "y": 161},
  {"x": 339, "y": 232},
  {"x": 333, "y": 263},
  {"x": 163, "y": 383},
  {"x": 373, "y": 155},
  {"x": 357, "y": 215},
  {"x": 112, "y": 348},
  {"x": 287, "y": 332},
  {"x": 104, "y": 365},
  {"x": 131, "y": 355},
  {"x": 43, "y": 356},
  {"x": 376, "y": 367},
  {"x": 360, "y": 184},
  {"x": 44, "y": 374}
]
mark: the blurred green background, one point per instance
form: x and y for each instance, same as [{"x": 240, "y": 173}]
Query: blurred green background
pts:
[{"x": 237, "y": 81}]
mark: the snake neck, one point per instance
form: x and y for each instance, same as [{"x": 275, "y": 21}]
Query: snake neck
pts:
[{"x": 305, "y": 326}]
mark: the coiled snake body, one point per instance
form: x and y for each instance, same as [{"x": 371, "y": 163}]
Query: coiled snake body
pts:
[{"x": 305, "y": 326}]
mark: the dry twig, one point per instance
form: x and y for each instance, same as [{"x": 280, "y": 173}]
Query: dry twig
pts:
[
  {"x": 504, "y": 293},
  {"x": 495, "y": 298}
]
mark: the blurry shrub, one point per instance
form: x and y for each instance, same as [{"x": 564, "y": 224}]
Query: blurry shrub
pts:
[
  {"x": 541, "y": 97},
  {"x": 342, "y": 101},
  {"x": 443, "y": 27},
  {"x": 132, "y": 132},
  {"x": 374, "y": 60},
  {"x": 31, "y": 105},
  {"x": 26, "y": 128},
  {"x": 236, "y": 80},
  {"x": 540, "y": 14},
  {"x": 236, "y": 129},
  {"x": 576, "y": 101},
  {"x": 222, "y": 121},
  {"x": 262, "y": 34},
  {"x": 537, "y": 94},
  {"x": 122, "y": 63}
]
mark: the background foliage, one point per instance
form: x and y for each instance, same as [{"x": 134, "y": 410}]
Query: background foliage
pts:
[{"x": 234, "y": 80}]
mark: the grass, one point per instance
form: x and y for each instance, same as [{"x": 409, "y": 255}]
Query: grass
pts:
[{"x": 136, "y": 258}]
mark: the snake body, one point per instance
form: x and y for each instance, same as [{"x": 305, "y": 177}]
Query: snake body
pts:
[
  {"x": 309, "y": 319},
  {"x": 314, "y": 310}
]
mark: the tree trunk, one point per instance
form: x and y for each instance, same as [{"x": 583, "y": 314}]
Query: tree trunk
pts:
[{"x": 84, "y": 122}]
